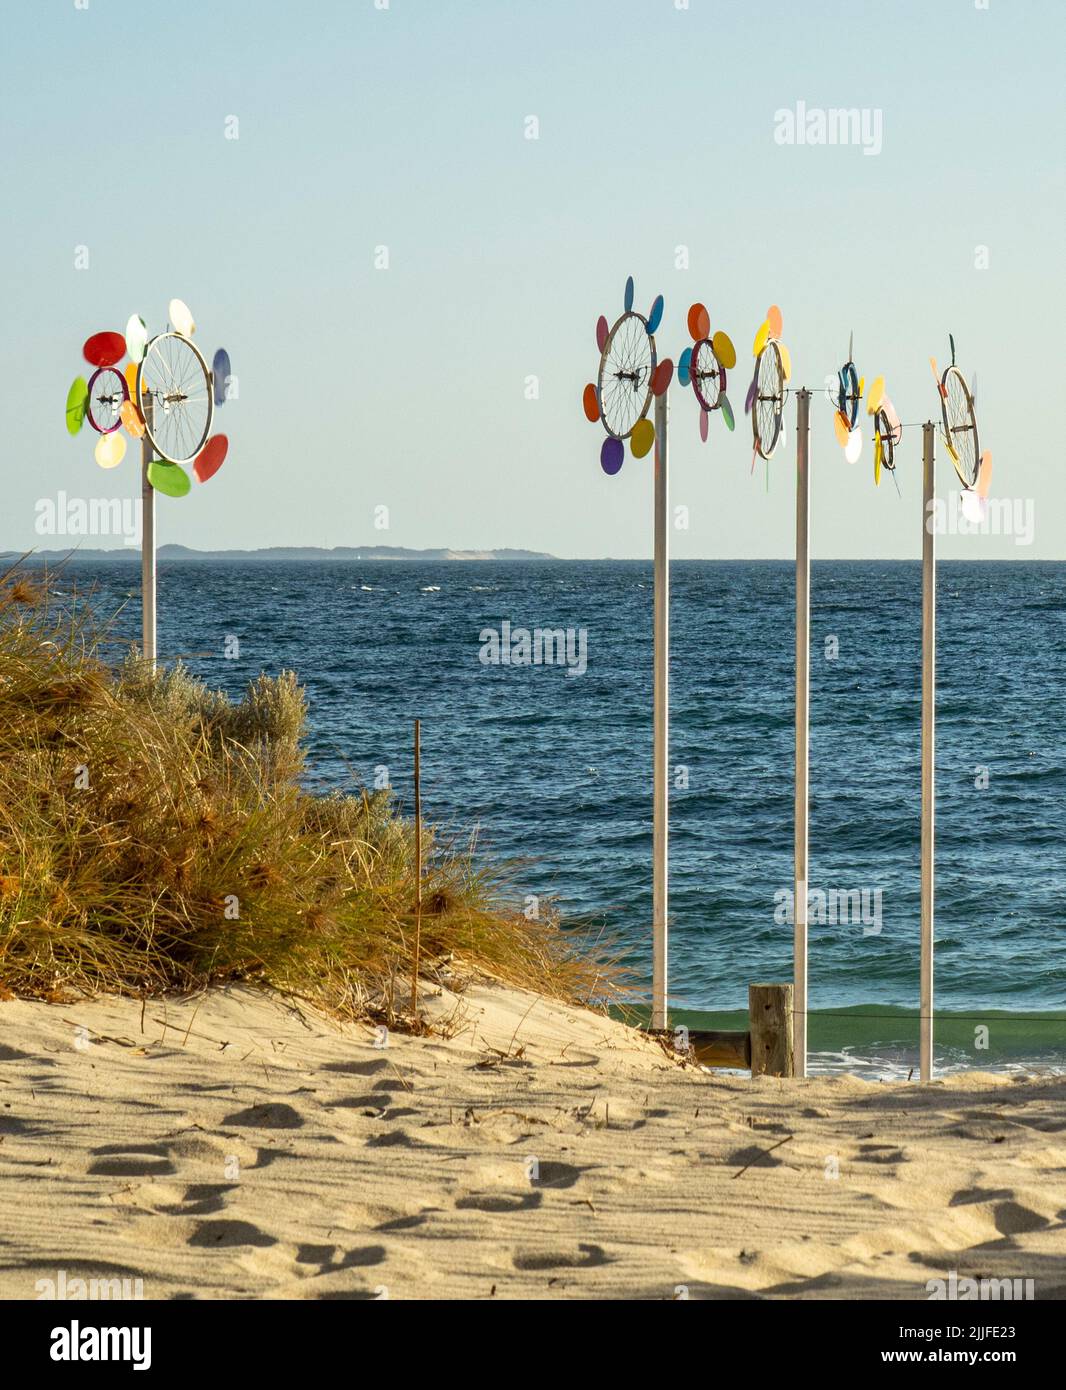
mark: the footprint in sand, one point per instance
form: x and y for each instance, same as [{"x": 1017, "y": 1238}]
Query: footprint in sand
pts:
[
  {"x": 273, "y": 1115},
  {"x": 325, "y": 1257},
  {"x": 554, "y": 1174},
  {"x": 223, "y": 1234},
  {"x": 498, "y": 1203},
  {"x": 132, "y": 1161},
  {"x": 586, "y": 1257},
  {"x": 370, "y": 1068},
  {"x": 882, "y": 1153}
]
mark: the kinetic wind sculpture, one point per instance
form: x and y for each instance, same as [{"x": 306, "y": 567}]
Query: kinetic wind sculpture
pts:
[
  {"x": 629, "y": 379},
  {"x": 846, "y": 399},
  {"x": 961, "y": 439},
  {"x": 888, "y": 431},
  {"x": 704, "y": 366},
  {"x": 165, "y": 397},
  {"x": 765, "y": 401},
  {"x": 630, "y": 376},
  {"x": 957, "y": 409}
]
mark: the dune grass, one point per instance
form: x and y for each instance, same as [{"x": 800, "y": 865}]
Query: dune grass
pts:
[{"x": 156, "y": 836}]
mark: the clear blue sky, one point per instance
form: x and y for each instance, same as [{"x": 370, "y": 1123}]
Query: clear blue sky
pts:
[{"x": 405, "y": 127}]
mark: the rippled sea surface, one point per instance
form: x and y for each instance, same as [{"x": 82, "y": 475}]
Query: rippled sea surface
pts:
[{"x": 555, "y": 769}]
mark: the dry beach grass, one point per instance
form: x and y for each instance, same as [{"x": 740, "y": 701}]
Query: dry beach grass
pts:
[{"x": 156, "y": 836}]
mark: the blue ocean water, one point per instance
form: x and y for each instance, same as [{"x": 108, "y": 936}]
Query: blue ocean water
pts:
[{"x": 555, "y": 769}]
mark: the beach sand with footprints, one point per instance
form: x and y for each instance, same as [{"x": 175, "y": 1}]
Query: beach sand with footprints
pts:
[{"x": 234, "y": 1145}]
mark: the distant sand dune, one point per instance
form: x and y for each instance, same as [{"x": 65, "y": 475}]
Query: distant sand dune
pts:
[{"x": 543, "y": 1152}]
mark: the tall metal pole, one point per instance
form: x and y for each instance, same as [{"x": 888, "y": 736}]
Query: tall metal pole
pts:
[
  {"x": 661, "y": 716},
  {"x": 418, "y": 866},
  {"x": 803, "y": 689},
  {"x": 148, "y": 641},
  {"x": 925, "y": 988}
]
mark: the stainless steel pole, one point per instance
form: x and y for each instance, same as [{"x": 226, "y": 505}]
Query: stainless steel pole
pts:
[
  {"x": 661, "y": 717},
  {"x": 925, "y": 988},
  {"x": 148, "y": 635},
  {"x": 803, "y": 684}
]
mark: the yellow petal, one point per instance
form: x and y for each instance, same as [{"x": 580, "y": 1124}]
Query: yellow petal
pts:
[
  {"x": 724, "y": 350},
  {"x": 642, "y": 438},
  {"x": 110, "y": 450}
]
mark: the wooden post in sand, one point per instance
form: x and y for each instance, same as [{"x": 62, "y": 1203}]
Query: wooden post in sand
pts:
[
  {"x": 418, "y": 864},
  {"x": 770, "y": 1023}
]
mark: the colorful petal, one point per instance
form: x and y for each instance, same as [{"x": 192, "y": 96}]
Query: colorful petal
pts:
[
  {"x": 168, "y": 478},
  {"x": 642, "y": 438},
  {"x": 656, "y": 315},
  {"x": 181, "y": 320},
  {"x": 724, "y": 350},
  {"x": 699, "y": 323},
  {"x": 984, "y": 474},
  {"x": 662, "y": 377},
  {"x": 612, "y": 455},
  {"x": 110, "y": 450},
  {"x": 136, "y": 337},
  {"x": 221, "y": 372},
  {"x": 77, "y": 404},
  {"x": 104, "y": 349},
  {"x": 590, "y": 403},
  {"x": 131, "y": 418},
  {"x": 211, "y": 457}
]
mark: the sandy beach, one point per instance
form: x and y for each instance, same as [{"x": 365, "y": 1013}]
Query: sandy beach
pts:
[{"x": 233, "y": 1145}]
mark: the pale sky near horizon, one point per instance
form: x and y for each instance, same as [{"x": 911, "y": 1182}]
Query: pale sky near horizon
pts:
[{"x": 405, "y": 127}]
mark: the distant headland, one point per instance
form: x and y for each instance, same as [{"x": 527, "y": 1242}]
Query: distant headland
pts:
[{"x": 274, "y": 552}]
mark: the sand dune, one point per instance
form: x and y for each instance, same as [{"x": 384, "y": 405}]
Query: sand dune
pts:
[{"x": 232, "y": 1145}]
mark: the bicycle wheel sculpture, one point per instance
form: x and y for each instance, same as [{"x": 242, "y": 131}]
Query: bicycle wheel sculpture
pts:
[
  {"x": 959, "y": 418},
  {"x": 166, "y": 392},
  {"x": 765, "y": 401},
  {"x": 845, "y": 400},
  {"x": 704, "y": 366},
  {"x": 630, "y": 376},
  {"x": 888, "y": 431}
]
